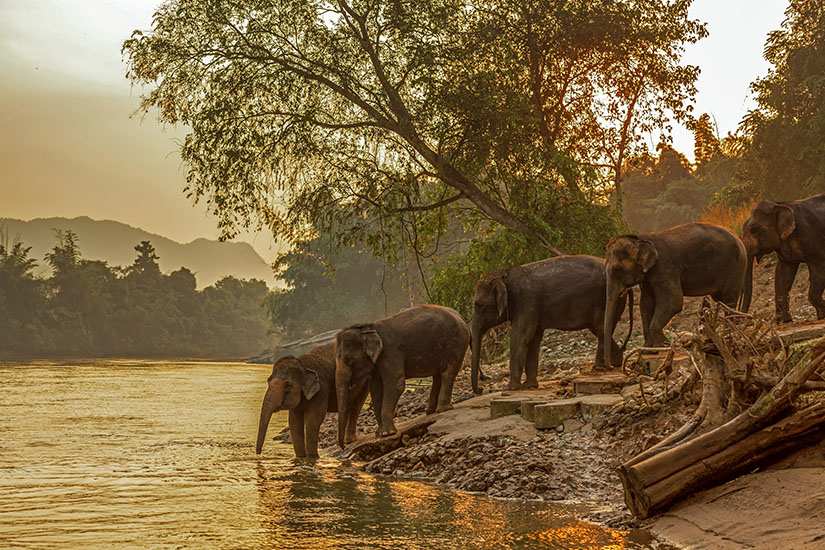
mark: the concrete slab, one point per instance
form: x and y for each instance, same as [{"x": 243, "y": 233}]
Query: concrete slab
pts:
[
  {"x": 593, "y": 406},
  {"x": 554, "y": 413}
]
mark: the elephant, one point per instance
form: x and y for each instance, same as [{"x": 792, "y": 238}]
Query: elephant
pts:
[
  {"x": 426, "y": 340},
  {"x": 692, "y": 259},
  {"x": 305, "y": 385},
  {"x": 796, "y": 231},
  {"x": 564, "y": 292}
]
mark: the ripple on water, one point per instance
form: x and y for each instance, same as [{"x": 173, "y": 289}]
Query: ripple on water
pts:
[{"x": 116, "y": 455}]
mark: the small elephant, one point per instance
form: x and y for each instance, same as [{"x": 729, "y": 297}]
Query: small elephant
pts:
[
  {"x": 796, "y": 231},
  {"x": 305, "y": 385},
  {"x": 565, "y": 293},
  {"x": 426, "y": 340},
  {"x": 692, "y": 259}
]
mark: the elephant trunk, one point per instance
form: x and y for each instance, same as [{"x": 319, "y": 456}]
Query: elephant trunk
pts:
[
  {"x": 475, "y": 343},
  {"x": 747, "y": 287},
  {"x": 614, "y": 291},
  {"x": 342, "y": 390},
  {"x": 630, "y": 313},
  {"x": 272, "y": 403}
]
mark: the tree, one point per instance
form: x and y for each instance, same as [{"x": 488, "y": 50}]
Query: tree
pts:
[
  {"x": 785, "y": 153},
  {"x": 319, "y": 297},
  {"x": 706, "y": 144},
  {"x": 500, "y": 112}
]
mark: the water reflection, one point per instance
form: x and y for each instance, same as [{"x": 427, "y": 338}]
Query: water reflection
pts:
[
  {"x": 141, "y": 454},
  {"x": 326, "y": 507}
]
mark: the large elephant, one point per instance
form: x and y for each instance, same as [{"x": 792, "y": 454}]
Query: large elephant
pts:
[
  {"x": 304, "y": 385},
  {"x": 565, "y": 293},
  {"x": 426, "y": 340},
  {"x": 796, "y": 231},
  {"x": 693, "y": 259}
]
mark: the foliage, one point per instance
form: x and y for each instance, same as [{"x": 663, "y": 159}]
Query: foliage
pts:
[
  {"x": 455, "y": 276},
  {"x": 387, "y": 108},
  {"x": 666, "y": 191},
  {"x": 785, "y": 154},
  {"x": 329, "y": 287},
  {"x": 729, "y": 216},
  {"x": 87, "y": 308}
]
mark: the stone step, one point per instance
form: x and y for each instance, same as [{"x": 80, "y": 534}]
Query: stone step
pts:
[
  {"x": 595, "y": 384},
  {"x": 593, "y": 406},
  {"x": 528, "y": 407},
  {"x": 556, "y": 412},
  {"x": 505, "y": 406}
]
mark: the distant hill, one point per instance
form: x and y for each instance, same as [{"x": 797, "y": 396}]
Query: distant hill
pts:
[{"x": 114, "y": 242}]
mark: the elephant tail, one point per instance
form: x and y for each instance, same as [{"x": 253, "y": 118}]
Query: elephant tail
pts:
[
  {"x": 630, "y": 312},
  {"x": 747, "y": 288}
]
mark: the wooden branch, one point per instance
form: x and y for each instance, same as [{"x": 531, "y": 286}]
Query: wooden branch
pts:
[
  {"x": 432, "y": 206},
  {"x": 653, "y": 481}
]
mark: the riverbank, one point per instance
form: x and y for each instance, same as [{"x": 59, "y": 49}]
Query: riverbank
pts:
[{"x": 509, "y": 458}]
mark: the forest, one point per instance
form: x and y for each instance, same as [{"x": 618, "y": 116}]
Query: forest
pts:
[
  {"x": 403, "y": 149},
  {"x": 87, "y": 308}
]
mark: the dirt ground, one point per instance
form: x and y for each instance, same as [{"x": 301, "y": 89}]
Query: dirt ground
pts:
[{"x": 782, "y": 507}]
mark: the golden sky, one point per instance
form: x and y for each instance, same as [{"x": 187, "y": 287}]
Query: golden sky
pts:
[{"x": 68, "y": 147}]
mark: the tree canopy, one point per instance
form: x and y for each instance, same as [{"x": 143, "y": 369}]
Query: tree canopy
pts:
[
  {"x": 785, "y": 134},
  {"x": 412, "y": 114}
]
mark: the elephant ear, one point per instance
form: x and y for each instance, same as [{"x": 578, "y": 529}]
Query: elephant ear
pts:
[
  {"x": 647, "y": 256},
  {"x": 372, "y": 344},
  {"x": 310, "y": 384},
  {"x": 501, "y": 296},
  {"x": 785, "y": 222}
]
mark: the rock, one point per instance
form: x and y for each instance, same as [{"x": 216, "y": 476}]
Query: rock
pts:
[
  {"x": 505, "y": 406},
  {"x": 629, "y": 392},
  {"x": 572, "y": 424}
]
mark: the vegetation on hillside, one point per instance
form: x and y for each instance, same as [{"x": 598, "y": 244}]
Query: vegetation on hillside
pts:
[{"x": 87, "y": 308}]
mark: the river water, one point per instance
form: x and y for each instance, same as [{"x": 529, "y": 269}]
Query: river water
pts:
[{"x": 148, "y": 454}]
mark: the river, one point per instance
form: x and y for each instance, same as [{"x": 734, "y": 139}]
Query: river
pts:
[{"x": 158, "y": 454}]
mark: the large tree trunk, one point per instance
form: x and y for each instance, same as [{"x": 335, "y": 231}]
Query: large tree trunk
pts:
[{"x": 686, "y": 462}]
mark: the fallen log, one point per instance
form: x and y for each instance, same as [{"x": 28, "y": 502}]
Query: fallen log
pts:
[
  {"x": 802, "y": 428},
  {"x": 685, "y": 461},
  {"x": 369, "y": 447}
]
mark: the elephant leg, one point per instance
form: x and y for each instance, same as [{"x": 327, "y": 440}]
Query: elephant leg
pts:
[
  {"x": 615, "y": 352},
  {"x": 352, "y": 416},
  {"x": 435, "y": 389},
  {"x": 377, "y": 395},
  {"x": 296, "y": 430},
  {"x": 312, "y": 425},
  {"x": 669, "y": 300},
  {"x": 647, "y": 305},
  {"x": 816, "y": 274},
  {"x": 393, "y": 388},
  {"x": 531, "y": 365},
  {"x": 783, "y": 281},
  {"x": 521, "y": 332}
]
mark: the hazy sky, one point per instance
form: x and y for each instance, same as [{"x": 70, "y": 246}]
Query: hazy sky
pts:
[{"x": 69, "y": 148}]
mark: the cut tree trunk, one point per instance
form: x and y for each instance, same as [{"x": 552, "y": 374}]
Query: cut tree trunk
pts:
[
  {"x": 684, "y": 462},
  {"x": 802, "y": 428}
]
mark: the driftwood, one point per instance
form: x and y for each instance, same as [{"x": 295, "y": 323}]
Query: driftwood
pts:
[
  {"x": 727, "y": 435},
  {"x": 369, "y": 447}
]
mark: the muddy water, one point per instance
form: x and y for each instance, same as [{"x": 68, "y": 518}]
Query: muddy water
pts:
[{"x": 161, "y": 455}]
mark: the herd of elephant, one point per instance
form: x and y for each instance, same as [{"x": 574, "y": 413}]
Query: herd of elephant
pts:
[{"x": 565, "y": 293}]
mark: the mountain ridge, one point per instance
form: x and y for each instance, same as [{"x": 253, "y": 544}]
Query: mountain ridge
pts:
[{"x": 113, "y": 242}]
